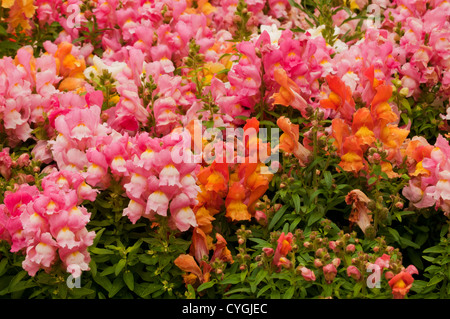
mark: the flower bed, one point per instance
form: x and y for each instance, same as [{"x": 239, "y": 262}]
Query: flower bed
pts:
[{"x": 224, "y": 149}]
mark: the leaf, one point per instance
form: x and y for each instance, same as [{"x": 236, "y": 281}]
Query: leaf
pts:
[
  {"x": 98, "y": 235},
  {"x": 435, "y": 280},
  {"x": 103, "y": 281},
  {"x": 116, "y": 286},
  {"x": 260, "y": 276},
  {"x": 231, "y": 280},
  {"x": 100, "y": 251},
  {"x": 434, "y": 249},
  {"x": 120, "y": 266},
  {"x": 206, "y": 285},
  {"x": 263, "y": 290},
  {"x": 82, "y": 291},
  {"x": 261, "y": 242},
  {"x": 394, "y": 234},
  {"x": 328, "y": 179},
  {"x": 296, "y": 200},
  {"x": 277, "y": 216},
  {"x": 3, "y": 264},
  {"x": 295, "y": 4},
  {"x": 315, "y": 215},
  {"x": 289, "y": 293},
  {"x": 357, "y": 288},
  {"x": 150, "y": 288},
  {"x": 295, "y": 223},
  {"x": 128, "y": 278},
  {"x": 275, "y": 294},
  {"x": 409, "y": 243}
]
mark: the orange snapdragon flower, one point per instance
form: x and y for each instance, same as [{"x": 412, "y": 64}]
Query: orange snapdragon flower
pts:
[
  {"x": 340, "y": 99},
  {"x": 289, "y": 140},
  {"x": 198, "y": 273},
  {"x": 289, "y": 93},
  {"x": 352, "y": 160},
  {"x": 19, "y": 14},
  {"x": 236, "y": 209},
  {"x": 401, "y": 284},
  {"x": 69, "y": 67}
]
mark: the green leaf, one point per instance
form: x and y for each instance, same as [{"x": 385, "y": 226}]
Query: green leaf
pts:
[
  {"x": 357, "y": 288},
  {"x": 275, "y": 294},
  {"x": 128, "y": 278},
  {"x": 116, "y": 286},
  {"x": 394, "y": 234},
  {"x": 3, "y": 264},
  {"x": 231, "y": 280},
  {"x": 260, "y": 276},
  {"x": 147, "y": 289},
  {"x": 82, "y": 291},
  {"x": 206, "y": 285},
  {"x": 315, "y": 215},
  {"x": 435, "y": 280},
  {"x": 296, "y": 200},
  {"x": 261, "y": 242},
  {"x": 103, "y": 281},
  {"x": 295, "y": 4},
  {"x": 434, "y": 249},
  {"x": 277, "y": 216},
  {"x": 409, "y": 243},
  {"x": 100, "y": 251},
  {"x": 328, "y": 179},
  {"x": 120, "y": 266},
  {"x": 289, "y": 293},
  {"x": 263, "y": 290}
]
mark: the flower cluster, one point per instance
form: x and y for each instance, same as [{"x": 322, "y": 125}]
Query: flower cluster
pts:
[
  {"x": 429, "y": 167},
  {"x": 50, "y": 226},
  {"x": 134, "y": 100}
]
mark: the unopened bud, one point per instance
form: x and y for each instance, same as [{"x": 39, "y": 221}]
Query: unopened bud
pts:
[{"x": 404, "y": 92}]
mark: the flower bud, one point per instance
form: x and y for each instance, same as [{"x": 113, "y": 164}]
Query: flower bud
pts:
[
  {"x": 399, "y": 205},
  {"x": 23, "y": 160},
  {"x": 317, "y": 263},
  {"x": 332, "y": 245},
  {"x": 336, "y": 262},
  {"x": 329, "y": 271},
  {"x": 404, "y": 92},
  {"x": 268, "y": 251},
  {"x": 350, "y": 248},
  {"x": 308, "y": 274},
  {"x": 353, "y": 272},
  {"x": 389, "y": 275}
]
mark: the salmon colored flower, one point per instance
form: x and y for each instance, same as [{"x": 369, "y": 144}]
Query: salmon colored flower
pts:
[
  {"x": 283, "y": 248},
  {"x": 401, "y": 284},
  {"x": 340, "y": 131},
  {"x": 340, "y": 99},
  {"x": 289, "y": 92},
  {"x": 19, "y": 13},
  {"x": 352, "y": 160},
  {"x": 289, "y": 140},
  {"x": 188, "y": 264},
  {"x": 198, "y": 273},
  {"x": 236, "y": 209},
  {"x": 69, "y": 67}
]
